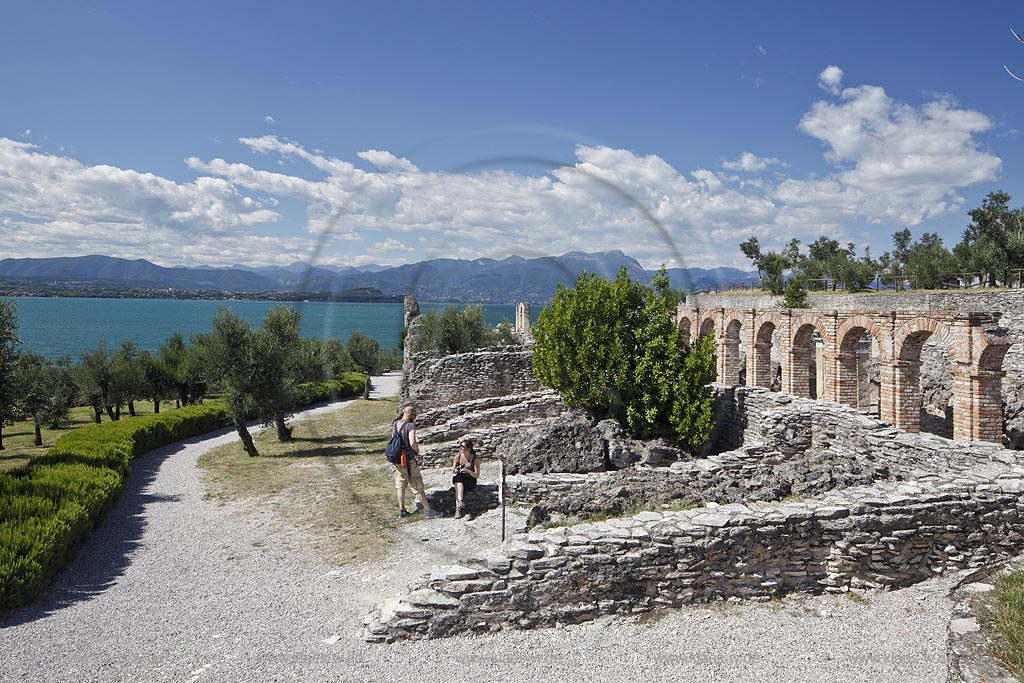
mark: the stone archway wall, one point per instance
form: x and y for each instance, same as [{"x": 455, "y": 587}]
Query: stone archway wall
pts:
[{"x": 975, "y": 342}]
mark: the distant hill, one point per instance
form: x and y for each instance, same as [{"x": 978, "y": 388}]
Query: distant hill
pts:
[{"x": 484, "y": 280}]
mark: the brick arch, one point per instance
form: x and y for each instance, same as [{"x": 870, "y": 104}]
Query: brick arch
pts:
[
  {"x": 867, "y": 324},
  {"x": 707, "y": 325},
  {"x": 911, "y": 336},
  {"x": 991, "y": 358},
  {"x": 685, "y": 325},
  {"x": 759, "y": 364},
  {"x": 800, "y": 322},
  {"x": 733, "y": 325},
  {"x": 761, "y": 321}
]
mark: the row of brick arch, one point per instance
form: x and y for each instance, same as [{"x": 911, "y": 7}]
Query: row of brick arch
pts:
[{"x": 975, "y": 342}]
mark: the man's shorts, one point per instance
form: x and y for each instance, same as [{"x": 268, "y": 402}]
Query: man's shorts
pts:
[{"x": 412, "y": 478}]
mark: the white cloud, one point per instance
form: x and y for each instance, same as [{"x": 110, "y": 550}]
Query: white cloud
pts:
[
  {"x": 386, "y": 161},
  {"x": 831, "y": 79},
  {"x": 751, "y": 163},
  {"x": 896, "y": 164},
  {"x": 889, "y": 163},
  {"x": 269, "y": 119},
  {"x": 760, "y": 48}
]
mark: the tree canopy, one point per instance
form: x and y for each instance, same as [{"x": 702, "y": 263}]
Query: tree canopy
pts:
[{"x": 612, "y": 347}]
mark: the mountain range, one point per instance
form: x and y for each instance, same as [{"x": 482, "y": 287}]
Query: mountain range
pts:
[{"x": 484, "y": 280}]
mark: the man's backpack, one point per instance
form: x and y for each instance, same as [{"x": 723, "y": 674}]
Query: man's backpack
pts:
[{"x": 395, "y": 447}]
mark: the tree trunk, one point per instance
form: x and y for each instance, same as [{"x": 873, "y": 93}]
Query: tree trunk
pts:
[
  {"x": 110, "y": 412},
  {"x": 117, "y": 413},
  {"x": 284, "y": 432},
  {"x": 131, "y": 408},
  {"x": 243, "y": 434},
  {"x": 1, "y": 436},
  {"x": 366, "y": 387},
  {"x": 156, "y": 406},
  {"x": 97, "y": 414},
  {"x": 39, "y": 433}
]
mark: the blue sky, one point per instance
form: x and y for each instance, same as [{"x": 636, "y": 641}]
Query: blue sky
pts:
[{"x": 219, "y": 133}]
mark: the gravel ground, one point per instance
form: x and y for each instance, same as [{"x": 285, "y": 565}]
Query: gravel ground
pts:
[{"x": 173, "y": 587}]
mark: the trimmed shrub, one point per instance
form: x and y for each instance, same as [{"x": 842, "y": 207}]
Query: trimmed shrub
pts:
[
  {"x": 50, "y": 505},
  {"x": 349, "y": 384}
]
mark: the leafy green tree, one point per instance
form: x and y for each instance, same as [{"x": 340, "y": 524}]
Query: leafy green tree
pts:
[
  {"x": 45, "y": 388},
  {"x": 366, "y": 355},
  {"x": 928, "y": 263},
  {"x": 9, "y": 343},
  {"x": 128, "y": 382},
  {"x": 612, "y": 347},
  {"x": 278, "y": 344},
  {"x": 96, "y": 377},
  {"x": 795, "y": 295},
  {"x": 230, "y": 358},
  {"x": 993, "y": 243},
  {"x": 451, "y": 331},
  {"x": 181, "y": 361},
  {"x": 771, "y": 265},
  {"x": 158, "y": 381}
]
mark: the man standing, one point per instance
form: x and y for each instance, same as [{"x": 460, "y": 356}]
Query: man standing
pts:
[{"x": 409, "y": 474}]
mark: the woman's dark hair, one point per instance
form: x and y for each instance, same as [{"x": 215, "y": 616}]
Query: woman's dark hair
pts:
[{"x": 469, "y": 445}]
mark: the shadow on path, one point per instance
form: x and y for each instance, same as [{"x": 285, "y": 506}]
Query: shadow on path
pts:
[{"x": 105, "y": 555}]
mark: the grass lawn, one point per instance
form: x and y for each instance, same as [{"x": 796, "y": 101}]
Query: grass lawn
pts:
[
  {"x": 19, "y": 438},
  {"x": 330, "y": 481},
  {"x": 1008, "y": 615}
]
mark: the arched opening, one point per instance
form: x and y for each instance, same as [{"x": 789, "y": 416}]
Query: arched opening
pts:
[
  {"x": 800, "y": 374},
  {"x": 856, "y": 366},
  {"x": 760, "y": 370},
  {"x": 684, "y": 329},
  {"x": 732, "y": 360},
  {"x": 905, "y": 385}
]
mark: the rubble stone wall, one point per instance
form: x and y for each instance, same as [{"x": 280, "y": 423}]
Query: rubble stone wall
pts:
[
  {"x": 876, "y": 536},
  {"x": 435, "y": 381}
]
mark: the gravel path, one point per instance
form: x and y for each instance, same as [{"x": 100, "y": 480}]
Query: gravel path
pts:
[{"x": 173, "y": 587}]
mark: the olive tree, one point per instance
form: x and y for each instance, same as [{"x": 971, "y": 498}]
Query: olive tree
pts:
[
  {"x": 8, "y": 356},
  {"x": 366, "y": 355}
]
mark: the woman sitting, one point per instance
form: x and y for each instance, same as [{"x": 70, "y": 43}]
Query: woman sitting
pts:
[{"x": 466, "y": 467}]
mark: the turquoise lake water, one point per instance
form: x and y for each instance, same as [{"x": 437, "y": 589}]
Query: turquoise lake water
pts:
[{"x": 58, "y": 326}]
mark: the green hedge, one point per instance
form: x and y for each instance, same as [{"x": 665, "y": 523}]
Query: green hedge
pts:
[
  {"x": 350, "y": 384},
  {"x": 50, "y": 505}
]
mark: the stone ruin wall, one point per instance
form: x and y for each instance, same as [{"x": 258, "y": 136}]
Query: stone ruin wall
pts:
[
  {"x": 1009, "y": 302},
  {"x": 936, "y": 378},
  {"x": 931, "y": 506},
  {"x": 878, "y": 508}
]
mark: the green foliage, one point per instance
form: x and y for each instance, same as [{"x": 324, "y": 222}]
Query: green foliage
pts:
[
  {"x": 49, "y": 506},
  {"x": 1009, "y": 620},
  {"x": 8, "y": 355},
  {"x": 450, "y": 330},
  {"x": 349, "y": 384},
  {"x": 795, "y": 295},
  {"x": 612, "y": 347},
  {"x": 770, "y": 265},
  {"x": 993, "y": 243}
]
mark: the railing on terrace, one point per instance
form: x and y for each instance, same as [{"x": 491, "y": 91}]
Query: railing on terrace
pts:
[{"x": 898, "y": 283}]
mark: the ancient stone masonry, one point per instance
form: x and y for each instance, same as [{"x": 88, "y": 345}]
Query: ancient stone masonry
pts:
[
  {"x": 875, "y": 536},
  {"x": 975, "y": 342},
  {"x": 794, "y": 494}
]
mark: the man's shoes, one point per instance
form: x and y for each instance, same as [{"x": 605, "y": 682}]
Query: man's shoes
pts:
[
  {"x": 458, "y": 512},
  {"x": 433, "y": 514},
  {"x": 403, "y": 513}
]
